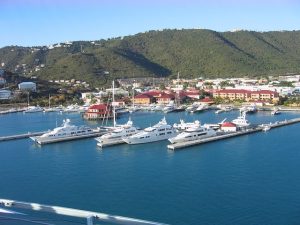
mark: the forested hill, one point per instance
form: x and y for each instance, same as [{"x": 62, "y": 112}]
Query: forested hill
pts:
[{"x": 192, "y": 52}]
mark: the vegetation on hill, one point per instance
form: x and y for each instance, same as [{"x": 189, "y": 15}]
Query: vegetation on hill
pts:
[{"x": 192, "y": 52}]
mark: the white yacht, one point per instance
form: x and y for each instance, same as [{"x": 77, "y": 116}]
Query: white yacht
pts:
[
  {"x": 275, "y": 111},
  {"x": 117, "y": 133},
  {"x": 33, "y": 109},
  {"x": 65, "y": 132},
  {"x": 158, "y": 132},
  {"x": 241, "y": 120},
  {"x": 185, "y": 125},
  {"x": 200, "y": 108},
  {"x": 194, "y": 133},
  {"x": 266, "y": 127},
  {"x": 169, "y": 107}
]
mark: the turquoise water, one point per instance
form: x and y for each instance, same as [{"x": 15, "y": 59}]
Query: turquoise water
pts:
[{"x": 247, "y": 180}]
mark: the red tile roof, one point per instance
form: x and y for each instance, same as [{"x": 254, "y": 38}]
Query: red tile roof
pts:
[
  {"x": 165, "y": 95},
  {"x": 99, "y": 106},
  {"x": 206, "y": 100},
  {"x": 228, "y": 124},
  {"x": 143, "y": 96}
]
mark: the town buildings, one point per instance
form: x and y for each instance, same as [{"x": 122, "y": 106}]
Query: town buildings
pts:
[{"x": 246, "y": 95}]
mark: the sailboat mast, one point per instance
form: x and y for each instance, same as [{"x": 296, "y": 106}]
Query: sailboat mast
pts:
[
  {"x": 113, "y": 102},
  {"x": 133, "y": 98},
  {"x": 28, "y": 99},
  {"x": 49, "y": 101}
]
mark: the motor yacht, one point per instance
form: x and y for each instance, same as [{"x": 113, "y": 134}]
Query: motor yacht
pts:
[
  {"x": 241, "y": 120},
  {"x": 64, "y": 132},
  {"x": 158, "y": 132},
  {"x": 116, "y": 134},
  {"x": 193, "y": 133}
]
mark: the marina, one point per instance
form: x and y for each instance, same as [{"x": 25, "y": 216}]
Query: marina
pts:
[{"x": 100, "y": 173}]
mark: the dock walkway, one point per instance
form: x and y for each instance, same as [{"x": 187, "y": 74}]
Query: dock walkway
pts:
[
  {"x": 229, "y": 135},
  {"x": 21, "y": 136}
]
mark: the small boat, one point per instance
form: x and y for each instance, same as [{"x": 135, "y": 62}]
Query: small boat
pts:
[
  {"x": 194, "y": 106},
  {"x": 219, "y": 111},
  {"x": 200, "y": 108},
  {"x": 241, "y": 120},
  {"x": 275, "y": 111},
  {"x": 33, "y": 109},
  {"x": 265, "y": 127}
]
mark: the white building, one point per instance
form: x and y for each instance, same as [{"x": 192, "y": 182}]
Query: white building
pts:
[
  {"x": 5, "y": 94},
  {"x": 27, "y": 86}
]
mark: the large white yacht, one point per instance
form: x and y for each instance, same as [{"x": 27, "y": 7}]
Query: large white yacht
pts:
[
  {"x": 193, "y": 133},
  {"x": 241, "y": 120},
  {"x": 65, "y": 132},
  {"x": 158, "y": 132},
  {"x": 117, "y": 133},
  {"x": 33, "y": 109}
]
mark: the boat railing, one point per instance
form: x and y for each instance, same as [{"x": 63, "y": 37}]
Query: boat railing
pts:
[{"x": 89, "y": 216}]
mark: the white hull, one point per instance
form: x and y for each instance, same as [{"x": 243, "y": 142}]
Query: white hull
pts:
[
  {"x": 137, "y": 140},
  {"x": 110, "y": 142},
  {"x": 40, "y": 140},
  {"x": 192, "y": 137}
]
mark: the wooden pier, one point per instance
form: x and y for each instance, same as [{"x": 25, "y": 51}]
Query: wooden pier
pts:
[{"x": 230, "y": 135}]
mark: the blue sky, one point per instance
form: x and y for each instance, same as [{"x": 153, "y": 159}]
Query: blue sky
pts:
[{"x": 43, "y": 22}]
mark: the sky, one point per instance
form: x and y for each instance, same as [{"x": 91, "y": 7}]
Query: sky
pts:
[{"x": 44, "y": 22}]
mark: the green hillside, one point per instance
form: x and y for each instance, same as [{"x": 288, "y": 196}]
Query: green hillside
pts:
[{"x": 192, "y": 52}]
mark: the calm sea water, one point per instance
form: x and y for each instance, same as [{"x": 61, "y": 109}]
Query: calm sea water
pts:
[{"x": 247, "y": 180}]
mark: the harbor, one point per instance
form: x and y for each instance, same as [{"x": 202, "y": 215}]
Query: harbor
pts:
[{"x": 200, "y": 173}]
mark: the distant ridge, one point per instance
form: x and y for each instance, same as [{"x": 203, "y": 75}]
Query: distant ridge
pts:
[{"x": 193, "y": 52}]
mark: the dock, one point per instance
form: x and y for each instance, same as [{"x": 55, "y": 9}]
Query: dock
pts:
[
  {"x": 21, "y": 136},
  {"x": 230, "y": 135}
]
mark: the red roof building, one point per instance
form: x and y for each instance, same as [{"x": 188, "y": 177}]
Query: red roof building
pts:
[
  {"x": 99, "y": 111},
  {"x": 143, "y": 99},
  {"x": 228, "y": 127},
  {"x": 165, "y": 98},
  {"x": 240, "y": 94}
]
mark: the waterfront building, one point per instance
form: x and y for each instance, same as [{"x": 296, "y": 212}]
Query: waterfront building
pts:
[
  {"x": 143, "y": 99},
  {"x": 228, "y": 127},
  {"x": 99, "y": 111},
  {"x": 165, "y": 98}
]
